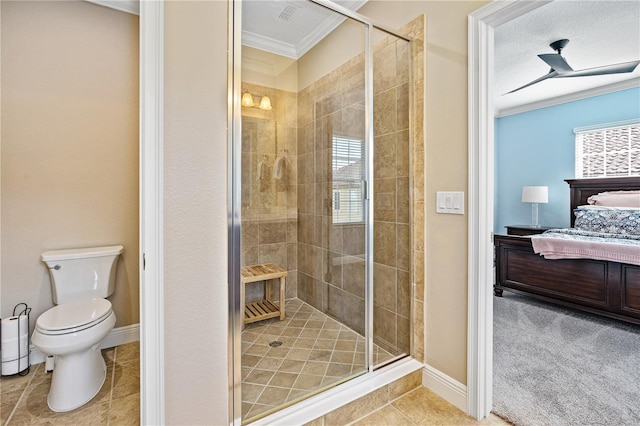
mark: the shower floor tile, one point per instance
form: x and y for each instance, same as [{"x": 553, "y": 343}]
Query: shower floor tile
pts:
[{"x": 309, "y": 351}]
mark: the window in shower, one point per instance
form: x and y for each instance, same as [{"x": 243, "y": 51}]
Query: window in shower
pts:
[{"x": 347, "y": 168}]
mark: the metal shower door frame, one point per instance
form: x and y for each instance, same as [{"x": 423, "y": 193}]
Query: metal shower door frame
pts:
[{"x": 234, "y": 194}]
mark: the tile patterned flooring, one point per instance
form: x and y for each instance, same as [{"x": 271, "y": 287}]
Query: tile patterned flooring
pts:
[
  {"x": 24, "y": 398},
  {"x": 316, "y": 352},
  {"x": 421, "y": 407}
]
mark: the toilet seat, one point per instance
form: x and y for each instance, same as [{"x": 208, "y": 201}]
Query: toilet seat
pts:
[{"x": 73, "y": 317}]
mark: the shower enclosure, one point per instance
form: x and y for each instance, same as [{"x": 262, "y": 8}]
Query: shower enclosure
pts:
[{"x": 322, "y": 189}]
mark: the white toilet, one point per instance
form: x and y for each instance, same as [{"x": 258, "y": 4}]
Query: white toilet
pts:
[{"x": 81, "y": 280}]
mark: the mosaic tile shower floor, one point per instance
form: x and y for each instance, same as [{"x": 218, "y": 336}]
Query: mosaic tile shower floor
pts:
[{"x": 316, "y": 351}]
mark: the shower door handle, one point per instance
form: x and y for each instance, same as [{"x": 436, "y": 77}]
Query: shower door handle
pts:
[{"x": 365, "y": 190}]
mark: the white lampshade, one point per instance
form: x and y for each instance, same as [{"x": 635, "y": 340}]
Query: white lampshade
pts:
[{"x": 535, "y": 194}]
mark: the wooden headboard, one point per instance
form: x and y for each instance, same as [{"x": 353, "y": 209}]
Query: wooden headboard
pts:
[{"x": 581, "y": 189}]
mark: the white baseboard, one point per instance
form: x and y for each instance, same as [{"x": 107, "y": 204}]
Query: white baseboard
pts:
[
  {"x": 118, "y": 336},
  {"x": 448, "y": 388},
  {"x": 121, "y": 335}
]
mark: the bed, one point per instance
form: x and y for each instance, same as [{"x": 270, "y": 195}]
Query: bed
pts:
[{"x": 603, "y": 287}]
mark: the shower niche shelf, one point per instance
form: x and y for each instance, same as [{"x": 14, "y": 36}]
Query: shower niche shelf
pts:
[{"x": 262, "y": 309}]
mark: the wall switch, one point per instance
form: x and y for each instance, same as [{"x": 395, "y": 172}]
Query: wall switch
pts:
[{"x": 450, "y": 202}]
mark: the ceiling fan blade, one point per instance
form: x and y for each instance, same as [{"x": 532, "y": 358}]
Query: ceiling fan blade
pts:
[
  {"x": 556, "y": 62},
  {"x": 538, "y": 80},
  {"x": 604, "y": 70}
]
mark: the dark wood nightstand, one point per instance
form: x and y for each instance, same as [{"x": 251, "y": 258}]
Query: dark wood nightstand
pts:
[{"x": 525, "y": 229}]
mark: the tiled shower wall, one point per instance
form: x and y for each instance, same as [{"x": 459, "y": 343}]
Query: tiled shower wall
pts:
[
  {"x": 269, "y": 204},
  {"x": 392, "y": 210},
  {"x": 416, "y": 30},
  {"x": 331, "y": 257},
  {"x": 292, "y": 225},
  {"x": 331, "y": 264}
]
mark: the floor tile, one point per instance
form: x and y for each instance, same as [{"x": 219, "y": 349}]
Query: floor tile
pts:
[
  {"x": 126, "y": 380},
  {"x": 387, "y": 415},
  {"x": 117, "y": 402},
  {"x": 128, "y": 352},
  {"x": 274, "y": 396},
  {"x": 8, "y": 402},
  {"x": 125, "y": 411},
  {"x": 314, "y": 351},
  {"x": 258, "y": 376},
  {"x": 16, "y": 382}
]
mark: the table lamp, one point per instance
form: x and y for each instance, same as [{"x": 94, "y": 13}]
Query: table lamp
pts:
[{"x": 535, "y": 195}]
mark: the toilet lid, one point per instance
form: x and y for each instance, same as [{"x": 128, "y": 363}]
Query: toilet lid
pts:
[{"x": 73, "y": 316}]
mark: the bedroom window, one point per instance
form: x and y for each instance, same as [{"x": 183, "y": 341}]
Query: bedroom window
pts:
[
  {"x": 609, "y": 150},
  {"x": 347, "y": 167}
]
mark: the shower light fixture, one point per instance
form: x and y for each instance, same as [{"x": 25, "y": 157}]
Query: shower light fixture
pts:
[
  {"x": 265, "y": 103},
  {"x": 247, "y": 101}
]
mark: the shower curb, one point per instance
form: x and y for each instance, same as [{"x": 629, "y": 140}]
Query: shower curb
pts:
[{"x": 333, "y": 399}]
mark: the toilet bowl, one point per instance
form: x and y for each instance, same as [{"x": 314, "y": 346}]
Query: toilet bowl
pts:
[
  {"x": 73, "y": 333},
  {"x": 81, "y": 281}
]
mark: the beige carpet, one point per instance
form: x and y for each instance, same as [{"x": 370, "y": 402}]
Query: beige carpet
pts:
[{"x": 555, "y": 366}]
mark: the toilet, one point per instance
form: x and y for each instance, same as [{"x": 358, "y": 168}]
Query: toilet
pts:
[{"x": 72, "y": 331}]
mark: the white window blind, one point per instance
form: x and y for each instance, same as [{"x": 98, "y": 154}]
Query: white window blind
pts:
[
  {"x": 347, "y": 167},
  {"x": 608, "y": 150}
]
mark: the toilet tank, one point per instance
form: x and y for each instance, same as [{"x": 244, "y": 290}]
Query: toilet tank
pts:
[{"x": 82, "y": 273}]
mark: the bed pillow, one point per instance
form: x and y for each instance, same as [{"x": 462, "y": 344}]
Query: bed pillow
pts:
[
  {"x": 616, "y": 199},
  {"x": 608, "y": 219}
]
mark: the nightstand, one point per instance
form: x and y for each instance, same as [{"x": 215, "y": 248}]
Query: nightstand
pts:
[{"x": 523, "y": 230}]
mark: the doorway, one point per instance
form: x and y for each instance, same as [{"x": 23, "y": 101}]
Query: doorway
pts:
[
  {"x": 481, "y": 170},
  {"x": 322, "y": 194}
]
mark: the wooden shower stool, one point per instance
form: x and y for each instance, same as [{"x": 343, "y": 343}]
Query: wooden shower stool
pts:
[{"x": 262, "y": 309}]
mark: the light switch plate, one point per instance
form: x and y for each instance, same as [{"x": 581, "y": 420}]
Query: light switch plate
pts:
[{"x": 450, "y": 202}]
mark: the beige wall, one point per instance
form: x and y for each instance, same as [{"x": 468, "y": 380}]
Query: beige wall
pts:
[
  {"x": 195, "y": 213},
  {"x": 69, "y": 144},
  {"x": 446, "y": 170},
  {"x": 270, "y": 70}
]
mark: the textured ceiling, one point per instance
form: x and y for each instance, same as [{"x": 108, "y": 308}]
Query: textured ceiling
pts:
[
  {"x": 289, "y": 27},
  {"x": 600, "y": 33}
]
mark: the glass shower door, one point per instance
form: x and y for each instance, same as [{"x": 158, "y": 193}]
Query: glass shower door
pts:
[{"x": 303, "y": 179}]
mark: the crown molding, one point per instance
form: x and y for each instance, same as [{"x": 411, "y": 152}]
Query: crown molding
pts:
[
  {"x": 584, "y": 94},
  {"x": 128, "y": 6},
  {"x": 326, "y": 27},
  {"x": 297, "y": 50},
  {"x": 269, "y": 44}
]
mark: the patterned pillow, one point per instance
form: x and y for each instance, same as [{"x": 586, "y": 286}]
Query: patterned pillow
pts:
[{"x": 613, "y": 220}]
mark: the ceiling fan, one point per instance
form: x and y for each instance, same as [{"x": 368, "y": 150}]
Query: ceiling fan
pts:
[{"x": 561, "y": 69}]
